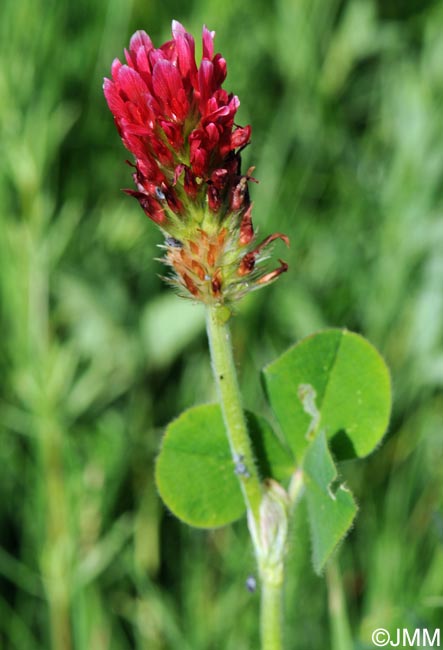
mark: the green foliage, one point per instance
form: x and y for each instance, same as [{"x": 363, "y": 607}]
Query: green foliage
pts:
[
  {"x": 274, "y": 458},
  {"x": 333, "y": 381},
  {"x": 195, "y": 473},
  {"x": 331, "y": 386},
  {"x": 331, "y": 509}
]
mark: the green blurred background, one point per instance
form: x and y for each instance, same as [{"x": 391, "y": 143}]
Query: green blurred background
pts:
[{"x": 97, "y": 355}]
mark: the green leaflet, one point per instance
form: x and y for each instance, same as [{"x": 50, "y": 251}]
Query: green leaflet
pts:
[
  {"x": 352, "y": 392},
  {"x": 331, "y": 509},
  {"x": 195, "y": 472},
  {"x": 331, "y": 388}
]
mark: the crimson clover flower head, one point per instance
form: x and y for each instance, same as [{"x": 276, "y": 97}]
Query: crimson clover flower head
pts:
[{"x": 179, "y": 124}]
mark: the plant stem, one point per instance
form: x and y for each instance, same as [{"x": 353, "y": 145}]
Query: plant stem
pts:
[
  {"x": 230, "y": 400},
  {"x": 271, "y": 575},
  {"x": 271, "y": 617},
  {"x": 340, "y": 628}
]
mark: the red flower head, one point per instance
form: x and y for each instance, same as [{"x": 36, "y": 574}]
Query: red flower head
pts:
[{"x": 178, "y": 122}]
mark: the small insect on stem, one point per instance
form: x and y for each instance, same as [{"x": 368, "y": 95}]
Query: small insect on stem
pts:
[
  {"x": 240, "y": 468},
  {"x": 159, "y": 194},
  {"x": 174, "y": 243},
  {"x": 251, "y": 584}
]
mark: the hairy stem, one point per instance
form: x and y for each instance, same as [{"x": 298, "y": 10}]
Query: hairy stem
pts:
[
  {"x": 239, "y": 441},
  {"x": 230, "y": 400},
  {"x": 271, "y": 616}
]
